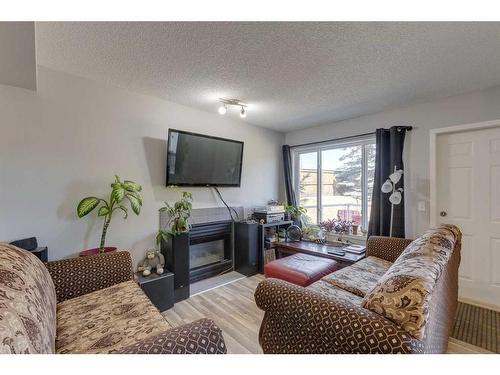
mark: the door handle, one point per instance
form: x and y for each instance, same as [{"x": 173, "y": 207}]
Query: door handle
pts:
[{"x": 443, "y": 213}]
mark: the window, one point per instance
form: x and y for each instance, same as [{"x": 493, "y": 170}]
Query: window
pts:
[{"x": 335, "y": 180}]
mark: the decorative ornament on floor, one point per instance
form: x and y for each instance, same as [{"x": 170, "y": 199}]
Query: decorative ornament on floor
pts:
[
  {"x": 120, "y": 190},
  {"x": 389, "y": 186},
  {"x": 154, "y": 261}
]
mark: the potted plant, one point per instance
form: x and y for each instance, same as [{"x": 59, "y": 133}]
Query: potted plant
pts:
[
  {"x": 294, "y": 213},
  {"x": 120, "y": 191},
  {"x": 328, "y": 225},
  {"x": 337, "y": 226},
  {"x": 175, "y": 238},
  {"x": 342, "y": 227},
  {"x": 179, "y": 214}
]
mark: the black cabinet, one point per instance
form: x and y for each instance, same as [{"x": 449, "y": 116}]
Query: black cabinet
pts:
[
  {"x": 176, "y": 252},
  {"x": 246, "y": 248},
  {"x": 253, "y": 246},
  {"x": 159, "y": 289}
]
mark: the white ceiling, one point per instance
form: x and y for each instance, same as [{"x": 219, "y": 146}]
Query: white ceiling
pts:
[{"x": 293, "y": 75}]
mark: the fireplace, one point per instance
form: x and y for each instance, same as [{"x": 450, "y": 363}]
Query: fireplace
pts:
[
  {"x": 210, "y": 250},
  {"x": 206, "y": 251}
]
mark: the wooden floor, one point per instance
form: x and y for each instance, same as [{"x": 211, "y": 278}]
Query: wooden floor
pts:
[{"x": 233, "y": 307}]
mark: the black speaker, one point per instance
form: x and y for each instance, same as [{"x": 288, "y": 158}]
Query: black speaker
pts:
[
  {"x": 176, "y": 252},
  {"x": 31, "y": 244},
  {"x": 246, "y": 248}
]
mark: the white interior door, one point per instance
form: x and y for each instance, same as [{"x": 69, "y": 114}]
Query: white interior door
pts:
[{"x": 468, "y": 195}]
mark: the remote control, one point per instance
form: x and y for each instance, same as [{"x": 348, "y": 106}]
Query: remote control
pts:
[{"x": 336, "y": 252}]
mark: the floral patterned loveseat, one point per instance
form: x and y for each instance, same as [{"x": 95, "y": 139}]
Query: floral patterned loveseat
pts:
[
  {"x": 87, "y": 305},
  {"x": 401, "y": 298}
]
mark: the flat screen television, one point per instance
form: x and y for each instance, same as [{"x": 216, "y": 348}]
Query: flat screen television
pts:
[{"x": 201, "y": 160}]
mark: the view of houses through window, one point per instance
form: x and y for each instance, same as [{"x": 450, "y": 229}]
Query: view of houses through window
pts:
[{"x": 335, "y": 181}]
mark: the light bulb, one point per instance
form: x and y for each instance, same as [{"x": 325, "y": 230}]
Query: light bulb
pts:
[
  {"x": 395, "y": 197},
  {"x": 243, "y": 113},
  {"x": 222, "y": 109},
  {"x": 396, "y": 176},
  {"x": 387, "y": 186}
]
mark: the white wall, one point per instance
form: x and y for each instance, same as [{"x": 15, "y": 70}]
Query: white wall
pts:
[
  {"x": 463, "y": 109},
  {"x": 18, "y": 60},
  {"x": 67, "y": 140}
]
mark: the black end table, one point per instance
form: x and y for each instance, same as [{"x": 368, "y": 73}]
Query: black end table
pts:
[{"x": 158, "y": 288}]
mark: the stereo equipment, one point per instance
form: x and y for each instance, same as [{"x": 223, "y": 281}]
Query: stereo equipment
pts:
[
  {"x": 276, "y": 209},
  {"x": 269, "y": 217}
]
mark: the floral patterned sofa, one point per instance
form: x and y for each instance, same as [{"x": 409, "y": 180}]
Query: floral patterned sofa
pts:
[
  {"x": 87, "y": 305},
  {"x": 401, "y": 298}
]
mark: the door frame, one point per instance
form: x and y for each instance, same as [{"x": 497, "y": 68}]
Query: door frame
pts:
[{"x": 434, "y": 133}]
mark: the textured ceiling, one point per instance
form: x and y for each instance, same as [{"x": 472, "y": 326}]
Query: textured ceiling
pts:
[{"x": 293, "y": 75}]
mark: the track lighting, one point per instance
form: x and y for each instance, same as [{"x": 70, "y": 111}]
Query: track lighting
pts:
[
  {"x": 222, "y": 109},
  {"x": 232, "y": 102}
]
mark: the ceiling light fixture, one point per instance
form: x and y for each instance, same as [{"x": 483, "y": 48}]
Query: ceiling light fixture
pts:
[
  {"x": 232, "y": 102},
  {"x": 222, "y": 109}
]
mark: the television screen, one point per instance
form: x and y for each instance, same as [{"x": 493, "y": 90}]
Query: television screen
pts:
[{"x": 200, "y": 160}]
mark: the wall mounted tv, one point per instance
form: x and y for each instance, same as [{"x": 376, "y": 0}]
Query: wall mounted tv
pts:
[{"x": 201, "y": 160}]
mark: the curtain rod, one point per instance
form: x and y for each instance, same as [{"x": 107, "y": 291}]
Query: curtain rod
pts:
[{"x": 407, "y": 128}]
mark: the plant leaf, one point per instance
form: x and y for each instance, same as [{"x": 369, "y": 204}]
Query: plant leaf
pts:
[
  {"x": 124, "y": 209},
  {"x": 86, "y": 205},
  {"x": 131, "y": 186},
  {"x": 118, "y": 192},
  {"x": 136, "y": 195},
  {"x": 161, "y": 235},
  {"x": 134, "y": 203},
  {"x": 103, "y": 211}
]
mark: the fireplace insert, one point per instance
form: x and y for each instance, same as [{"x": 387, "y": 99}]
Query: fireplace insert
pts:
[{"x": 210, "y": 250}]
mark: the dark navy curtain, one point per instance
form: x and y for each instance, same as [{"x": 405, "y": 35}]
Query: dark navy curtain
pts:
[
  {"x": 287, "y": 166},
  {"x": 389, "y": 153}
]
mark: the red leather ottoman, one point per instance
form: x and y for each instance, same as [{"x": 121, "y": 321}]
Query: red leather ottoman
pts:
[{"x": 300, "y": 269}]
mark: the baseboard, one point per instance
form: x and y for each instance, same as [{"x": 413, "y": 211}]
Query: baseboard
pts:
[{"x": 479, "y": 304}]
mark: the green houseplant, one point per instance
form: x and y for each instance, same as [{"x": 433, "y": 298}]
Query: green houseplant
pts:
[
  {"x": 179, "y": 214},
  {"x": 295, "y": 212},
  {"x": 121, "y": 191}
]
